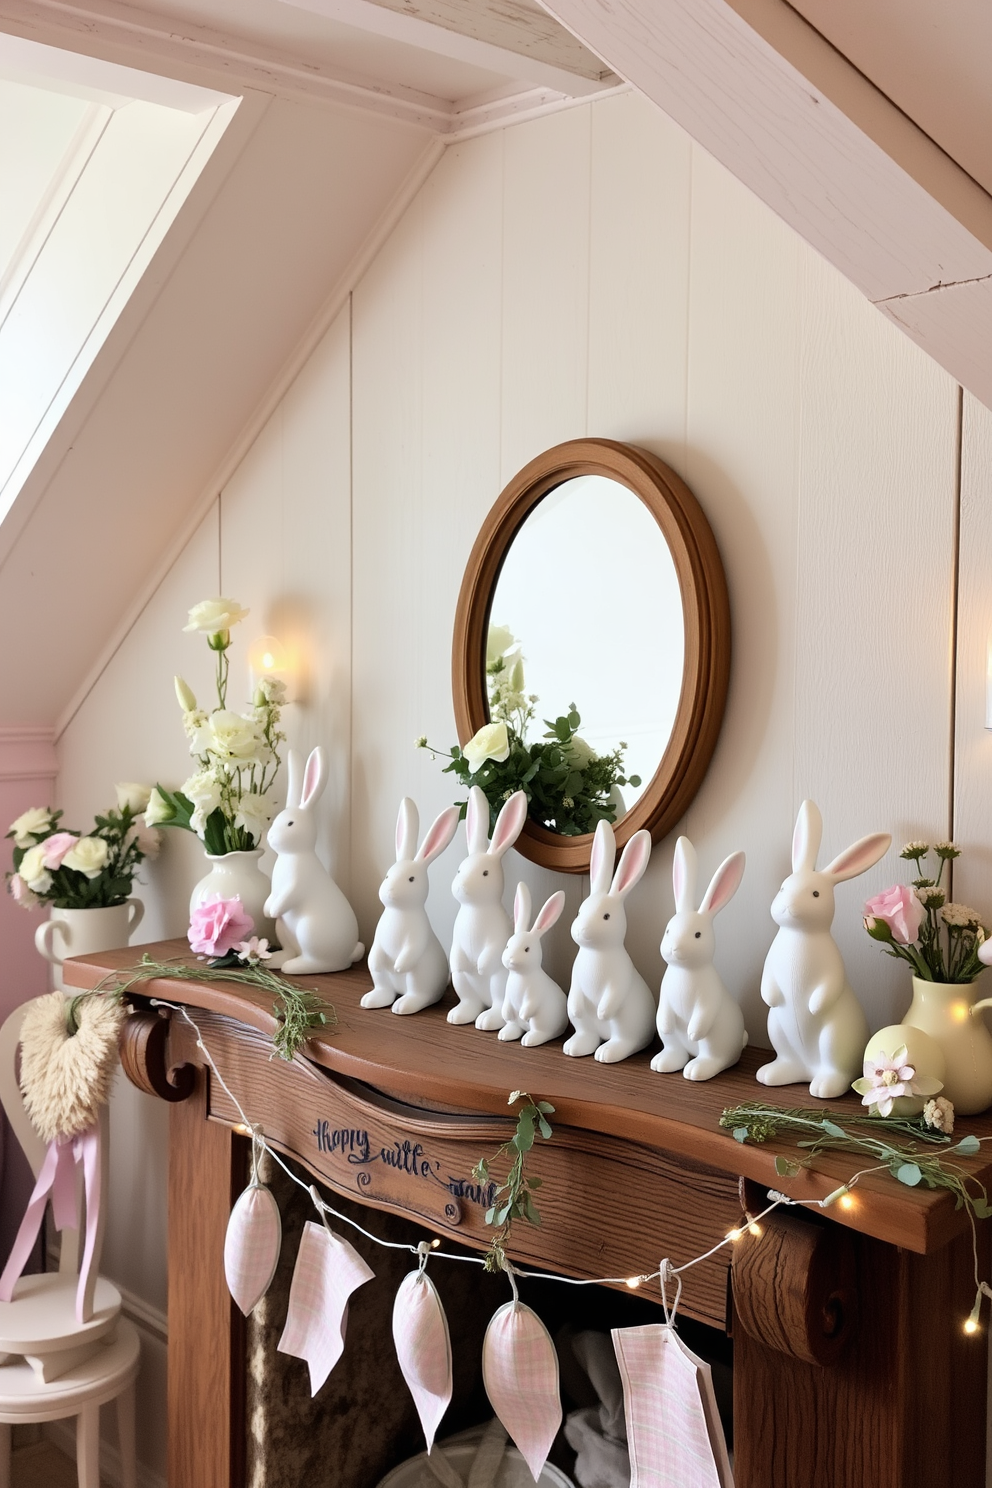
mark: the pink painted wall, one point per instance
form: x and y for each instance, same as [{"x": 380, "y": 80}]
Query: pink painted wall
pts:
[{"x": 27, "y": 778}]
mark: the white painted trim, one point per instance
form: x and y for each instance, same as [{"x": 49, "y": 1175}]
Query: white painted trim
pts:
[
  {"x": 151, "y": 1320},
  {"x": 280, "y": 386},
  {"x": 27, "y": 753},
  {"x": 62, "y": 1434},
  {"x": 485, "y": 118},
  {"x": 45, "y": 66}
]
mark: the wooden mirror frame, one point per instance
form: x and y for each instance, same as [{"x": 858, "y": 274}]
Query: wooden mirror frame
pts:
[{"x": 705, "y": 606}]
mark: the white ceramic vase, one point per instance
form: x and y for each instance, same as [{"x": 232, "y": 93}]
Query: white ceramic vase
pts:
[
  {"x": 82, "y": 932},
  {"x": 238, "y": 874},
  {"x": 951, "y": 1015}
]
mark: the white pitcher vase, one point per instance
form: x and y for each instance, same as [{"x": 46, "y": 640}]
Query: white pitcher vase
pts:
[
  {"x": 82, "y": 932},
  {"x": 238, "y": 874},
  {"x": 950, "y": 1014}
]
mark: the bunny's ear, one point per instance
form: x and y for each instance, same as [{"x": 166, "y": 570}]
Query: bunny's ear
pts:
[
  {"x": 633, "y": 861},
  {"x": 407, "y": 827},
  {"x": 314, "y": 778},
  {"x": 293, "y": 778},
  {"x": 684, "y": 875},
  {"x": 724, "y": 884},
  {"x": 550, "y": 913},
  {"x": 509, "y": 824},
  {"x": 858, "y": 858},
  {"x": 477, "y": 820},
  {"x": 604, "y": 852},
  {"x": 806, "y": 837},
  {"x": 441, "y": 832},
  {"x": 521, "y": 908}
]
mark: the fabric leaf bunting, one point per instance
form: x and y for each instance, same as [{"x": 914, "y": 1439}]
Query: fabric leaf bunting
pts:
[
  {"x": 520, "y": 1371},
  {"x": 423, "y": 1347},
  {"x": 674, "y": 1433},
  {"x": 327, "y": 1271}
]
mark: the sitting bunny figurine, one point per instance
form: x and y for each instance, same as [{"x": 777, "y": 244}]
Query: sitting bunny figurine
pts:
[
  {"x": 609, "y": 999},
  {"x": 534, "y": 1005},
  {"x": 407, "y": 961},
  {"x": 482, "y": 925},
  {"x": 815, "y": 1023},
  {"x": 701, "y": 1026},
  {"x": 316, "y": 925}
]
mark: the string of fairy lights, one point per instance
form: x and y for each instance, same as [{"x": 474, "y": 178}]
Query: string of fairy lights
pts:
[{"x": 664, "y": 1273}]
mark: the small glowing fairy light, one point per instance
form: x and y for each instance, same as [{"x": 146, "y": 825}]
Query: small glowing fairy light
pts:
[
  {"x": 971, "y": 1324},
  {"x": 754, "y": 1229},
  {"x": 633, "y": 1282},
  {"x": 843, "y": 1194},
  {"x": 734, "y": 1235}
]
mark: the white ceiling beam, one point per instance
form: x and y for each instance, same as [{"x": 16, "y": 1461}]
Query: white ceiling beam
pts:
[{"x": 764, "y": 93}]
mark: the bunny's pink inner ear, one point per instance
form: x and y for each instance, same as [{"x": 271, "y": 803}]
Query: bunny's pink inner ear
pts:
[
  {"x": 313, "y": 777},
  {"x": 509, "y": 823},
  {"x": 806, "y": 837},
  {"x": 477, "y": 820},
  {"x": 859, "y": 857},
  {"x": 441, "y": 832},
  {"x": 550, "y": 913},
  {"x": 604, "y": 851},
  {"x": 407, "y": 827},
  {"x": 633, "y": 862},
  {"x": 521, "y": 906},
  {"x": 684, "y": 874},
  {"x": 724, "y": 883}
]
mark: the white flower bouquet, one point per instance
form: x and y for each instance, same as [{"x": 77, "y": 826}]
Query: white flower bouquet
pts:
[
  {"x": 225, "y": 800},
  {"x": 55, "y": 866}
]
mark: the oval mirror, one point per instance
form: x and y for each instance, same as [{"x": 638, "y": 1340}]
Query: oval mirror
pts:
[{"x": 593, "y": 616}]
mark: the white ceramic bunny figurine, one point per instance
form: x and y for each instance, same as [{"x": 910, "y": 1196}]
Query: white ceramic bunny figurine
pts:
[
  {"x": 407, "y": 961},
  {"x": 482, "y": 925},
  {"x": 609, "y": 999},
  {"x": 701, "y": 1026},
  {"x": 316, "y": 925},
  {"x": 815, "y": 1023},
  {"x": 534, "y": 1005}
]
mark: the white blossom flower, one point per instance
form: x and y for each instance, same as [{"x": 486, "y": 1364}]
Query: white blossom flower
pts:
[
  {"x": 20, "y": 893},
  {"x": 233, "y": 739},
  {"x": 33, "y": 870},
  {"x": 914, "y": 849},
  {"x": 34, "y": 822},
  {"x": 939, "y": 1114},
  {"x": 132, "y": 795},
  {"x": 253, "y": 950},
  {"x": 960, "y": 916},
  {"x": 185, "y": 695},
  {"x": 253, "y": 814},
  {"x": 420, "y": 742},
  {"x": 270, "y": 690},
  {"x": 212, "y": 616},
  {"x": 492, "y": 742},
  {"x": 498, "y": 642},
  {"x": 930, "y": 896},
  {"x": 89, "y": 857},
  {"x": 203, "y": 789},
  {"x": 158, "y": 809},
  {"x": 578, "y": 753},
  {"x": 887, "y": 1078}
]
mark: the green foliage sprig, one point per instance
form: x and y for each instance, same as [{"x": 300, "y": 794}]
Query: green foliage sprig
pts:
[
  {"x": 514, "y": 1198},
  {"x": 827, "y": 1131},
  {"x": 299, "y": 1012}
]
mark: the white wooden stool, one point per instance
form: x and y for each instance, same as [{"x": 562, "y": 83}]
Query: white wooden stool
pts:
[{"x": 108, "y": 1374}]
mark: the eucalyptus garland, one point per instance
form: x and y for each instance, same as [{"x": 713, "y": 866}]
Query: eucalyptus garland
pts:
[
  {"x": 514, "y": 1198},
  {"x": 299, "y": 1012},
  {"x": 828, "y": 1131}
]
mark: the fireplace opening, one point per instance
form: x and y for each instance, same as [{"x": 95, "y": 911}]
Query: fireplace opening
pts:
[{"x": 362, "y": 1422}]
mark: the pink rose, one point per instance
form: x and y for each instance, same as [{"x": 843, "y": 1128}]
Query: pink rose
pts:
[
  {"x": 217, "y": 925},
  {"x": 900, "y": 909},
  {"x": 54, "y": 848},
  {"x": 20, "y": 892}
]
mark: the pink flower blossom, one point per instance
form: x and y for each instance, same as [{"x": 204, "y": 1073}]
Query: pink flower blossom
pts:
[
  {"x": 20, "y": 893},
  {"x": 217, "y": 925},
  {"x": 900, "y": 909},
  {"x": 887, "y": 1079},
  {"x": 254, "y": 950},
  {"x": 54, "y": 848}
]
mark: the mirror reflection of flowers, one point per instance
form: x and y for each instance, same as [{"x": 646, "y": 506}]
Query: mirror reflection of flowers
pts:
[
  {"x": 225, "y": 800},
  {"x": 916, "y": 922},
  {"x": 72, "y": 871},
  {"x": 569, "y": 787}
]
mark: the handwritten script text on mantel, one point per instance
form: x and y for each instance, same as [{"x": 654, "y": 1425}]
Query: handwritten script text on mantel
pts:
[{"x": 405, "y": 1156}]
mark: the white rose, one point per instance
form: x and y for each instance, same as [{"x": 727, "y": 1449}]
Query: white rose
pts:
[
  {"x": 158, "y": 809},
  {"x": 492, "y": 742},
  {"x": 233, "y": 739},
  {"x": 203, "y": 789},
  {"x": 215, "y": 615},
  {"x": 253, "y": 815},
  {"x": 498, "y": 642},
  {"x": 89, "y": 857},
  {"x": 35, "y": 822},
  {"x": 33, "y": 870},
  {"x": 132, "y": 795}
]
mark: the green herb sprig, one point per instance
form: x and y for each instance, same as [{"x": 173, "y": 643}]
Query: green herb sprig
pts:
[
  {"x": 514, "y": 1198},
  {"x": 299, "y": 1012}
]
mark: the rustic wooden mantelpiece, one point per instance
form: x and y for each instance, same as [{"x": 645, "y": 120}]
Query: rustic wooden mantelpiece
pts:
[{"x": 851, "y": 1367}]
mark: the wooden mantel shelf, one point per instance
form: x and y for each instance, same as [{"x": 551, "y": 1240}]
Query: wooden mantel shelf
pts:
[{"x": 425, "y": 1061}]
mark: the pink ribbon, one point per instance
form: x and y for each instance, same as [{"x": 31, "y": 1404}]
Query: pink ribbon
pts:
[{"x": 58, "y": 1179}]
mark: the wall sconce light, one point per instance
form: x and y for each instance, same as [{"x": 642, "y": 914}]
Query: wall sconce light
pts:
[{"x": 268, "y": 657}]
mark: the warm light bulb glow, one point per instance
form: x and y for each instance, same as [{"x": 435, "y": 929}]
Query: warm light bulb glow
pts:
[
  {"x": 633, "y": 1282},
  {"x": 267, "y": 656},
  {"x": 754, "y": 1229},
  {"x": 959, "y": 1012},
  {"x": 988, "y": 683},
  {"x": 734, "y": 1234},
  {"x": 971, "y": 1326},
  {"x": 847, "y": 1201}
]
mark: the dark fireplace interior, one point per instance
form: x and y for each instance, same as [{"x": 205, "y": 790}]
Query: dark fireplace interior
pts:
[{"x": 363, "y": 1421}]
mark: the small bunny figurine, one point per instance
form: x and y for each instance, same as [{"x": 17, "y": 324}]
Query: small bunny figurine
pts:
[
  {"x": 316, "y": 925},
  {"x": 482, "y": 925},
  {"x": 608, "y": 998},
  {"x": 407, "y": 961},
  {"x": 533, "y": 1002},
  {"x": 815, "y": 1023},
  {"x": 701, "y": 1026}
]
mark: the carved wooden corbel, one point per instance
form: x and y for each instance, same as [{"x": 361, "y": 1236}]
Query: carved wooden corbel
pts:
[
  {"x": 144, "y": 1046},
  {"x": 795, "y": 1287}
]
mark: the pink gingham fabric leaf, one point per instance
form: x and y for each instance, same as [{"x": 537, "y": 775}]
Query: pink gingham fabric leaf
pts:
[
  {"x": 423, "y": 1347},
  {"x": 674, "y": 1432},
  {"x": 327, "y": 1271},
  {"x": 520, "y": 1371},
  {"x": 251, "y": 1246}
]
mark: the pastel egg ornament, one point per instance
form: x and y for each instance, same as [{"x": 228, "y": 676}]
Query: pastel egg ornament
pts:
[
  {"x": 251, "y": 1246},
  {"x": 903, "y": 1069}
]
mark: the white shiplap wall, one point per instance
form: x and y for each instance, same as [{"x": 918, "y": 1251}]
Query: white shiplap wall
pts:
[{"x": 589, "y": 272}]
